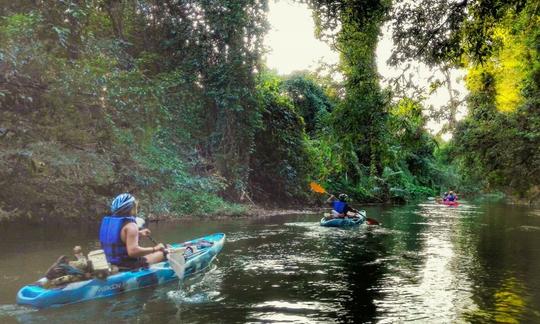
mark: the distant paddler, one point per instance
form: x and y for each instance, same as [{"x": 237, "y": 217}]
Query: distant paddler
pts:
[
  {"x": 451, "y": 196},
  {"x": 339, "y": 205}
]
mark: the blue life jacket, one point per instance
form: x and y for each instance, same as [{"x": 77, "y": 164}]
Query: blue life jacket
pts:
[
  {"x": 111, "y": 238},
  {"x": 340, "y": 206},
  {"x": 450, "y": 197}
]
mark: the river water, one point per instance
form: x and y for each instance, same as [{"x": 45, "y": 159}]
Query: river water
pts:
[{"x": 426, "y": 263}]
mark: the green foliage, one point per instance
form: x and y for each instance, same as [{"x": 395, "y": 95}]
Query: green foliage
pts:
[
  {"x": 497, "y": 142},
  {"x": 440, "y": 31},
  {"x": 20, "y": 60},
  {"x": 281, "y": 162},
  {"x": 172, "y": 188},
  {"x": 449, "y": 173},
  {"x": 124, "y": 103},
  {"x": 412, "y": 148},
  {"x": 172, "y": 99},
  {"x": 309, "y": 100},
  {"x": 373, "y": 150},
  {"x": 358, "y": 121},
  {"x": 219, "y": 45}
]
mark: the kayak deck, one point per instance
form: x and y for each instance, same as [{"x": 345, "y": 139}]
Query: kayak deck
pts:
[
  {"x": 37, "y": 296},
  {"x": 342, "y": 222}
]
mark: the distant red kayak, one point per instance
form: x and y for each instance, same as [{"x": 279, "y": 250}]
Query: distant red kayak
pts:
[{"x": 450, "y": 203}]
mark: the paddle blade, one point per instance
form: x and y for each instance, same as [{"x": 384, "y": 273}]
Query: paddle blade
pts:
[
  {"x": 317, "y": 188},
  {"x": 177, "y": 262},
  {"x": 362, "y": 213},
  {"x": 140, "y": 222},
  {"x": 369, "y": 220}
]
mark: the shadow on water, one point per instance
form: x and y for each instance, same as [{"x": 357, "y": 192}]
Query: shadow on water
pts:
[
  {"x": 360, "y": 274},
  {"x": 506, "y": 279}
]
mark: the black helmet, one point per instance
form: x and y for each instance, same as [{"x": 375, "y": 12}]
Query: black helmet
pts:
[{"x": 343, "y": 197}]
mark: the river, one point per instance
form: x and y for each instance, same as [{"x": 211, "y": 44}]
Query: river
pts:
[{"x": 426, "y": 263}]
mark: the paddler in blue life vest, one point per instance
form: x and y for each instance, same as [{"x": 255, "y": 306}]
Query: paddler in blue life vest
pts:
[
  {"x": 451, "y": 196},
  {"x": 119, "y": 236},
  {"x": 340, "y": 207}
]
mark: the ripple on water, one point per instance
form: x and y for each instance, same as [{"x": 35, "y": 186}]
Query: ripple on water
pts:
[
  {"x": 185, "y": 297},
  {"x": 289, "y": 312},
  {"x": 239, "y": 236},
  {"x": 534, "y": 213},
  {"x": 527, "y": 228},
  {"x": 287, "y": 264},
  {"x": 201, "y": 289},
  {"x": 308, "y": 225},
  {"x": 14, "y": 311},
  {"x": 274, "y": 317}
]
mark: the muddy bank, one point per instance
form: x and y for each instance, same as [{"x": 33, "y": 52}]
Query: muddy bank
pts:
[
  {"x": 244, "y": 211},
  {"x": 250, "y": 212}
]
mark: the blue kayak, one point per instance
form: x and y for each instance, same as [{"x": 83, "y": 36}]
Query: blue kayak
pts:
[
  {"x": 359, "y": 219},
  {"x": 37, "y": 296}
]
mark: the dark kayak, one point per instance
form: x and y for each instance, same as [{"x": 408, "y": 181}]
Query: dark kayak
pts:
[{"x": 358, "y": 219}]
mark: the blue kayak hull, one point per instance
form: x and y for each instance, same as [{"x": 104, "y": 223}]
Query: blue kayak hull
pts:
[
  {"x": 342, "y": 222},
  {"x": 36, "y": 296}
]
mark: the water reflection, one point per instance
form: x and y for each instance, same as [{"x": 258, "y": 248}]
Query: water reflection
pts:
[
  {"x": 427, "y": 263},
  {"x": 425, "y": 284}
]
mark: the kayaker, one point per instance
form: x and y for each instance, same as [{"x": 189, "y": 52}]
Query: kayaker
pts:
[
  {"x": 445, "y": 196},
  {"x": 119, "y": 236},
  {"x": 451, "y": 196},
  {"x": 340, "y": 208}
]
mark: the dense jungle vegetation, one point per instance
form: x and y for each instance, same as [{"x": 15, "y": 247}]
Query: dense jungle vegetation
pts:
[{"x": 171, "y": 100}]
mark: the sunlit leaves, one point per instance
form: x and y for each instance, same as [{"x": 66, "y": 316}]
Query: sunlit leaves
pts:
[
  {"x": 508, "y": 67},
  {"x": 498, "y": 142},
  {"x": 440, "y": 31},
  {"x": 281, "y": 162}
]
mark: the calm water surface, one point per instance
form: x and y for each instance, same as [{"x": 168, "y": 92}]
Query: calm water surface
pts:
[{"x": 427, "y": 263}]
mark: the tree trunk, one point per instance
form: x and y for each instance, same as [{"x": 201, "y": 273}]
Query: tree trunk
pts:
[{"x": 115, "y": 10}]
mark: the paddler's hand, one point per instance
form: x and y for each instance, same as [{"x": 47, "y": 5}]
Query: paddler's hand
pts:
[
  {"x": 159, "y": 247},
  {"x": 145, "y": 232}
]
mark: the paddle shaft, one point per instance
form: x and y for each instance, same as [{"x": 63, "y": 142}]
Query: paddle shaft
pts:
[
  {"x": 151, "y": 239},
  {"x": 177, "y": 262}
]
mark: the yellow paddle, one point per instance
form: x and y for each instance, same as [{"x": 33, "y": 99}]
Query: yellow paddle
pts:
[{"x": 317, "y": 188}]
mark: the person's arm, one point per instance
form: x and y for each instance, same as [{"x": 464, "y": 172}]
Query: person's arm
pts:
[
  {"x": 132, "y": 242},
  {"x": 350, "y": 209},
  {"x": 144, "y": 232},
  {"x": 331, "y": 199}
]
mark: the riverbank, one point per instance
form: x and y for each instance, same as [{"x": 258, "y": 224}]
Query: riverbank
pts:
[
  {"x": 250, "y": 212},
  {"x": 246, "y": 211}
]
